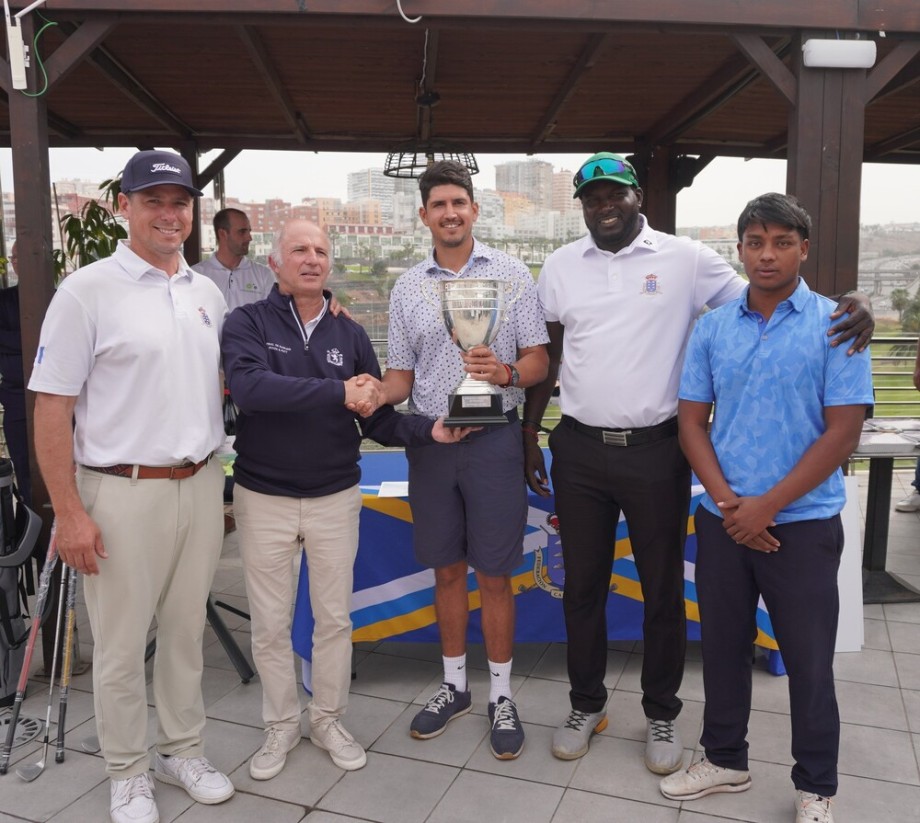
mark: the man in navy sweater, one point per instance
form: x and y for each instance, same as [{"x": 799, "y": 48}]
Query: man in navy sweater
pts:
[{"x": 292, "y": 369}]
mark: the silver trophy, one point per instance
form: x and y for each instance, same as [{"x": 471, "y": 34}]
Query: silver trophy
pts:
[{"x": 473, "y": 312}]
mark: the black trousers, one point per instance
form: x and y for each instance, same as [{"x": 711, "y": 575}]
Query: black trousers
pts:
[
  {"x": 799, "y": 588},
  {"x": 650, "y": 484}
]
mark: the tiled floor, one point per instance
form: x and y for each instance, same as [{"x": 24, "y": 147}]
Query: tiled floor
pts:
[{"x": 455, "y": 778}]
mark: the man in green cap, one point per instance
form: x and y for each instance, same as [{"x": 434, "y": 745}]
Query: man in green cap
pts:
[{"x": 619, "y": 305}]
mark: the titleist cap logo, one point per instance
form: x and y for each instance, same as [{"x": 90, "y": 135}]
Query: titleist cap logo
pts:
[
  {"x": 158, "y": 168},
  {"x": 165, "y": 167}
]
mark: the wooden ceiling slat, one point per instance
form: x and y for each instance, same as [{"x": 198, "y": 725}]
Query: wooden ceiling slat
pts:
[{"x": 509, "y": 82}]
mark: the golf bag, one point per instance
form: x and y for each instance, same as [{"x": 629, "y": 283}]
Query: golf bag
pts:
[{"x": 19, "y": 530}]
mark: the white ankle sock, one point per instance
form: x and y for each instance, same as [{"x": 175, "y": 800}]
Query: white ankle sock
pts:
[
  {"x": 499, "y": 680},
  {"x": 455, "y": 672}
]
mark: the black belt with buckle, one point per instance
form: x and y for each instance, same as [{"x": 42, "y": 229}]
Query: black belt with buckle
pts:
[{"x": 624, "y": 437}]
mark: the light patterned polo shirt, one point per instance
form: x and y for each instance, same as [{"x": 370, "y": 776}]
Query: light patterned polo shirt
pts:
[{"x": 419, "y": 340}]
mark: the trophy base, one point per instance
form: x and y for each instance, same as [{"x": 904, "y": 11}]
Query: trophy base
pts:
[{"x": 475, "y": 410}]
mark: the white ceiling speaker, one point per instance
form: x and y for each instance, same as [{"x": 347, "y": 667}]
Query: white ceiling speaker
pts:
[{"x": 839, "y": 54}]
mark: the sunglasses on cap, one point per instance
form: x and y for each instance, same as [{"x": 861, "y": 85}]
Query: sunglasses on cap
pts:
[{"x": 602, "y": 168}]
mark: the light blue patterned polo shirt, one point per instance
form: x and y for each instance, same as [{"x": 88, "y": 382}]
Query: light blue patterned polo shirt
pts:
[{"x": 770, "y": 382}]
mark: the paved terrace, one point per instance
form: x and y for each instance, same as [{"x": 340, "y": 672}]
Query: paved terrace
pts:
[{"x": 454, "y": 778}]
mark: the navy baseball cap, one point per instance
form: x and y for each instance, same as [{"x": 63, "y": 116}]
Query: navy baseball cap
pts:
[
  {"x": 604, "y": 166},
  {"x": 157, "y": 168}
]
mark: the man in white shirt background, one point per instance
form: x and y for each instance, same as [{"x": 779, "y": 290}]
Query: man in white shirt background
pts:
[{"x": 240, "y": 279}]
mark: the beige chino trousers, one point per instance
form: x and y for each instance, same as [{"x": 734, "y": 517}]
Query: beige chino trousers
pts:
[
  {"x": 272, "y": 530},
  {"x": 164, "y": 539}
]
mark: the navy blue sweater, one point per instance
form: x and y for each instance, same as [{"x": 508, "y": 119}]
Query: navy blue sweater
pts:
[{"x": 294, "y": 436}]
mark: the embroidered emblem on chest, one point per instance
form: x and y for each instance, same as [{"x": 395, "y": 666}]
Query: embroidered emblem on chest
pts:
[
  {"x": 204, "y": 316},
  {"x": 334, "y": 356},
  {"x": 650, "y": 286}
]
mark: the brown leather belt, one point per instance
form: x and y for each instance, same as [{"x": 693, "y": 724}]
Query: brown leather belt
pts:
[
  {"x": 624, "y": 437},
  {"x": 181, "y": 472}
]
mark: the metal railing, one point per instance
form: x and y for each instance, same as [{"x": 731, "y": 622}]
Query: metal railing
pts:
[{"x": 893, "y": 359}]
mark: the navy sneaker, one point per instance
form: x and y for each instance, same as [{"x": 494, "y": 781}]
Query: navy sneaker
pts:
[
  {"x": 442, "y": 707},
  {"x": 507, "y": 737}
]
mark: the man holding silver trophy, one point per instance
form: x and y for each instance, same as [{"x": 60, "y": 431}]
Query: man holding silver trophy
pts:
[{"x": 468, "y": 500}]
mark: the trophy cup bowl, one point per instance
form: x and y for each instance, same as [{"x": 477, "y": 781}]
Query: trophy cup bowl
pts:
[{"x": 473, "y": 311}]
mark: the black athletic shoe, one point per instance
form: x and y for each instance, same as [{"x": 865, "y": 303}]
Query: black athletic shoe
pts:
[
  {"x": 442, "y": 707},
  {"x": 507, "y": 737}
]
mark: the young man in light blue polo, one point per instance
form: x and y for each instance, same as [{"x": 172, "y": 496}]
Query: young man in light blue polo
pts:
[{"x": 788, "y": 413}]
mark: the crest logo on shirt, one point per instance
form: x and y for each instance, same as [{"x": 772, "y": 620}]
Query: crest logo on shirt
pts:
[
  {"x": 204, "y": 316},
  {"x": 334, "y": 356},
  {"x": 650, "y": 286}
]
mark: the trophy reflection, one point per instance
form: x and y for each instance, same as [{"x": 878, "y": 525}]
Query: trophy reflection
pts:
[{"x": 473, "y": 312}]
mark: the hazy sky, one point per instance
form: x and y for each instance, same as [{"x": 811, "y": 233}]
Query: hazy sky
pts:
[{"x": 889, "y": 192}]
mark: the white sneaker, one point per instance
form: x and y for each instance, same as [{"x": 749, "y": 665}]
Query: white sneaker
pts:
[
  {"x": 344, "y": 750},
  {"x": 812, "y": 808},
  {"x": 911, "y": 503},
  {"x": 701, "y": 779},
  {"x": 269, "y": 760},
  {"x": 132, "y": 800},
  {"x": 197, "y": 776}
]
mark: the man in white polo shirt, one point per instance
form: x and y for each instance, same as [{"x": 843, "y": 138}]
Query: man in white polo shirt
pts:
[
  {"x": 619, "y": 304},
  {"x": 240, "y": 280},
  {"x": 130, "y": 351}
]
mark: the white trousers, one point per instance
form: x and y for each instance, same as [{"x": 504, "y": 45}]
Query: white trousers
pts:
[
  {"x": 164, "y": 539},
  {"x": 272, "y": 530}
]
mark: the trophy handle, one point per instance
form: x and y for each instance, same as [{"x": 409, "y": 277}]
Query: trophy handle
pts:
[
  {"x": 431, "y": 292},
  {"x": 513, "y": 292}
]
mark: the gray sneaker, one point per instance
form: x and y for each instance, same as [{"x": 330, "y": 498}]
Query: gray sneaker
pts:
[
  {"x": 664, "y": 753},
  {"x": 703, "y": 778},
  {"x": 571, "y": 739}
]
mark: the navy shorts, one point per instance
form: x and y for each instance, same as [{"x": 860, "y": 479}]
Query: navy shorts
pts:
[{"x": 469, "y": 501}]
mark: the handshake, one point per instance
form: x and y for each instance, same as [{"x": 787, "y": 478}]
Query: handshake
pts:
[{"x": 364, "y": 394}]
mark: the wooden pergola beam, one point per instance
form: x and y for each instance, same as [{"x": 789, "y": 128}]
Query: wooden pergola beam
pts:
[
  {"x": 586, "y": 59},
  {"x": 266, "y": 68}
]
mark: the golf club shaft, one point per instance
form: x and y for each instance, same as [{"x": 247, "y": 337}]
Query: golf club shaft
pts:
[
  {"x": 31, "y": 772},
  {"x": 67, "y": 662},
  {"x": 44, "y": 585}
]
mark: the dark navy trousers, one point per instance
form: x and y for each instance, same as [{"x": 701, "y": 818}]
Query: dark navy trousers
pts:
[{"x": 799, "y": 587}]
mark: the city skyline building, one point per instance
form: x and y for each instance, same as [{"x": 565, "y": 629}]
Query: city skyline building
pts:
[{"x": 531, "y": 178}]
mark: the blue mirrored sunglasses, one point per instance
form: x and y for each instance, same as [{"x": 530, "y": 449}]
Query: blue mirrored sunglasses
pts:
[{"x": 598, "y": 168}]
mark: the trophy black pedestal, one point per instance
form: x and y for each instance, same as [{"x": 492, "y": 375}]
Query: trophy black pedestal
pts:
[{"x": 475, "y": 410}]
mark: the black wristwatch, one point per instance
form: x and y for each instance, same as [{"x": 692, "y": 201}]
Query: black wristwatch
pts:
[{"x": 514, "y": 376}]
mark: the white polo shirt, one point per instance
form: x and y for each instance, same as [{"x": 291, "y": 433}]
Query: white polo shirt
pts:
[
  {"x": 627, "y": 318},
  {"x": 247, "y": 283},
  {"x": 141, "y": 352}
]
